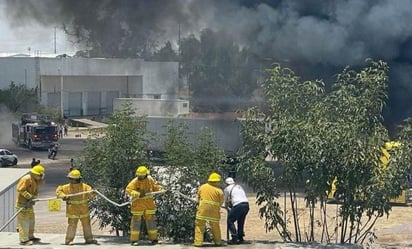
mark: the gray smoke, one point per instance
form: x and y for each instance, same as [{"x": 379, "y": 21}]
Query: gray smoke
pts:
[
  {"x": 316, "y": 37},
  {"x": 6, "y": 119}
]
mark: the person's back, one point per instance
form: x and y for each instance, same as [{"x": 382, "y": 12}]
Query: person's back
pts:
[
  {"x": 210, "y": 199},
  {"x": 236, "y": 194},
  {"x": 237, "y": 201}
]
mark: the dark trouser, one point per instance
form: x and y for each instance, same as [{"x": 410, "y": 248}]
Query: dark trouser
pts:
[{"x": 238, "y": 214}]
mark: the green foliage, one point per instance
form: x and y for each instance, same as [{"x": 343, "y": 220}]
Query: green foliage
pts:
[
  {"x": 188, "y": 164},
  {"x": 109, "y": 163},
  {"x": 222, "y": 77},
  {"x": 18, "y": 98},
  {"x": 54, "y": 113},
  {"x": 165, "y": 53},
  {"x": 316, "y": 136}
]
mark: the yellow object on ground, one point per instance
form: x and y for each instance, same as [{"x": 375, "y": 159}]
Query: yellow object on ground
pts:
[{"x": 55, "y": 205}]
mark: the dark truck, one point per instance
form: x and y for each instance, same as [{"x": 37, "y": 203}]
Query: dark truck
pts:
[{"x": 35, "y": 131}]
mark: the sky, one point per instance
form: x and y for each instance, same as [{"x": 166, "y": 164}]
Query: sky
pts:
[
  {"x": 32, "y": 38},
  {"x": 317, "y": 38}
]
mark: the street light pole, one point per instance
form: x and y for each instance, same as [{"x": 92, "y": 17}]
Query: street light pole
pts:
[{"x": 61, "y": 95}]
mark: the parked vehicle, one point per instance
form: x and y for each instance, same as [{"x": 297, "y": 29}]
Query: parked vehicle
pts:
[{"x": 7, "y": 158}]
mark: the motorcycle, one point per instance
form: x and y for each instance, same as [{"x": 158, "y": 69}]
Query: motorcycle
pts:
[{"x": 52, "y": 152}]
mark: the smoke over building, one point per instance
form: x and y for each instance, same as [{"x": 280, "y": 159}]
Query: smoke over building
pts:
[{"x": 317, "y": 38}]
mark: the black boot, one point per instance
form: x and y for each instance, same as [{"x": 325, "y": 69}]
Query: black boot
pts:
[
  {"x": 240, "y": 240},
  {"x": 233, "y": 241}
]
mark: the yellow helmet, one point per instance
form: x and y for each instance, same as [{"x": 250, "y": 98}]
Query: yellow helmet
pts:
[
  {"x": 142, "y": 171},
  {"x": 37, "y": 170},
  {"x": 214, "y": 177},
  {"x": 74, "y": 174}
]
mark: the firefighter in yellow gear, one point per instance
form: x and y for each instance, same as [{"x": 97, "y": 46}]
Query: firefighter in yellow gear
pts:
[
  {"x": 211, "y": 198},
  {"x": 27, "y": 191},
  {"x": 139, "y": 190},
  {"x": 77, "y": 207}
]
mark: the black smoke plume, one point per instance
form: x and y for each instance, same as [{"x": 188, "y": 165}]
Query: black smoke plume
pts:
[{"x": 317, "y": 38}]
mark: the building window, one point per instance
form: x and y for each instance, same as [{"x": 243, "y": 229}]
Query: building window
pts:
[
  {"x": 184, "y": 105},
  {"x": 156, "y": 96}
]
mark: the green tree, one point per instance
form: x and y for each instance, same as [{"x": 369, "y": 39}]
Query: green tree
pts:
[
  {"x": 188, "y": 164},
  {"x": 221, "y": 75},
  {"x": 18, "y": 98},
  {"x": 318, "y": 136},
  {"x": 109, "y": 163},
  {"x": 165, "y": 53}
]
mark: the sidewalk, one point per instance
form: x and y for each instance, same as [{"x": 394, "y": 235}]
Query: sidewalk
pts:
[{"x": 49, "y": 241}]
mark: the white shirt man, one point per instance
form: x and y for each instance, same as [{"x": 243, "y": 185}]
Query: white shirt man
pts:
[{"x": 236, "y": 200}]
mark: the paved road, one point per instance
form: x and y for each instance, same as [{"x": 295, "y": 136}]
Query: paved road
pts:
[
  {"x": 56, "y": 170},
  {"x": 69, "y": 147}
]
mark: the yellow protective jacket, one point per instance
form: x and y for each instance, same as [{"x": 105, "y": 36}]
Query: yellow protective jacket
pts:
[
  {"x": 142, "y": 204},
  {"x": 27, "y": 188},
  {"x": 210, "y": 199},
  {"x": 76, "y": 206}
]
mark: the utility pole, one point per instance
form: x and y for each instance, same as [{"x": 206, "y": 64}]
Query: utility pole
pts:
[
  {"x": 61, "y": 95},
  {"x": 25, "y": 77},
  {"x": 55, "y": 40},
  {"x": 179, "y": 53}
]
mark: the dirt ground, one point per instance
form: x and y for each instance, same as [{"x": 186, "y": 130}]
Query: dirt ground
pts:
[{"x": 392, "y": 232}]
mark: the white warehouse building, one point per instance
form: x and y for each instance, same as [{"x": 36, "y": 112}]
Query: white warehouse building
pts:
[{"x": 88, "y": 86}]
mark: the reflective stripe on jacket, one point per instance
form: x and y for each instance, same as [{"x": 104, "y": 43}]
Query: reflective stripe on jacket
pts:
[
  {"x": 27, "y": 188},
  {"x": 76, "y": 206},
  {"x": 210, "y": 200},
  {"x": 145, "y": 203}
]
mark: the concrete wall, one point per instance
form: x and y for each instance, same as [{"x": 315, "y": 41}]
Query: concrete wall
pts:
[
  {"x": 226, "y": 132},
  {"x": 154, "y": 107},
  {"x": 19, "y": 70}
]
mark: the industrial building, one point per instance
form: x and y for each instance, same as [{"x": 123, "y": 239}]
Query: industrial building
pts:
[{"x": 88, "y": 86}]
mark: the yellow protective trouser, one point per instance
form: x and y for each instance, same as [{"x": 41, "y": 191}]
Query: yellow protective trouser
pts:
[
  {"x": 25, "y": 223},
  {"x": 72, "y": 227},
  {"x": 136, "y": 223},
  {"x": 200, "y": 226}
]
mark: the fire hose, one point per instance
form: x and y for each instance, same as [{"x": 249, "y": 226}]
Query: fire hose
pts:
[
  {"x": 128, "y": 202},
  {"x": 100, "y": 194},
  {"x": 76, "y": 194},
  {"x": 35, "y": 200}
]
